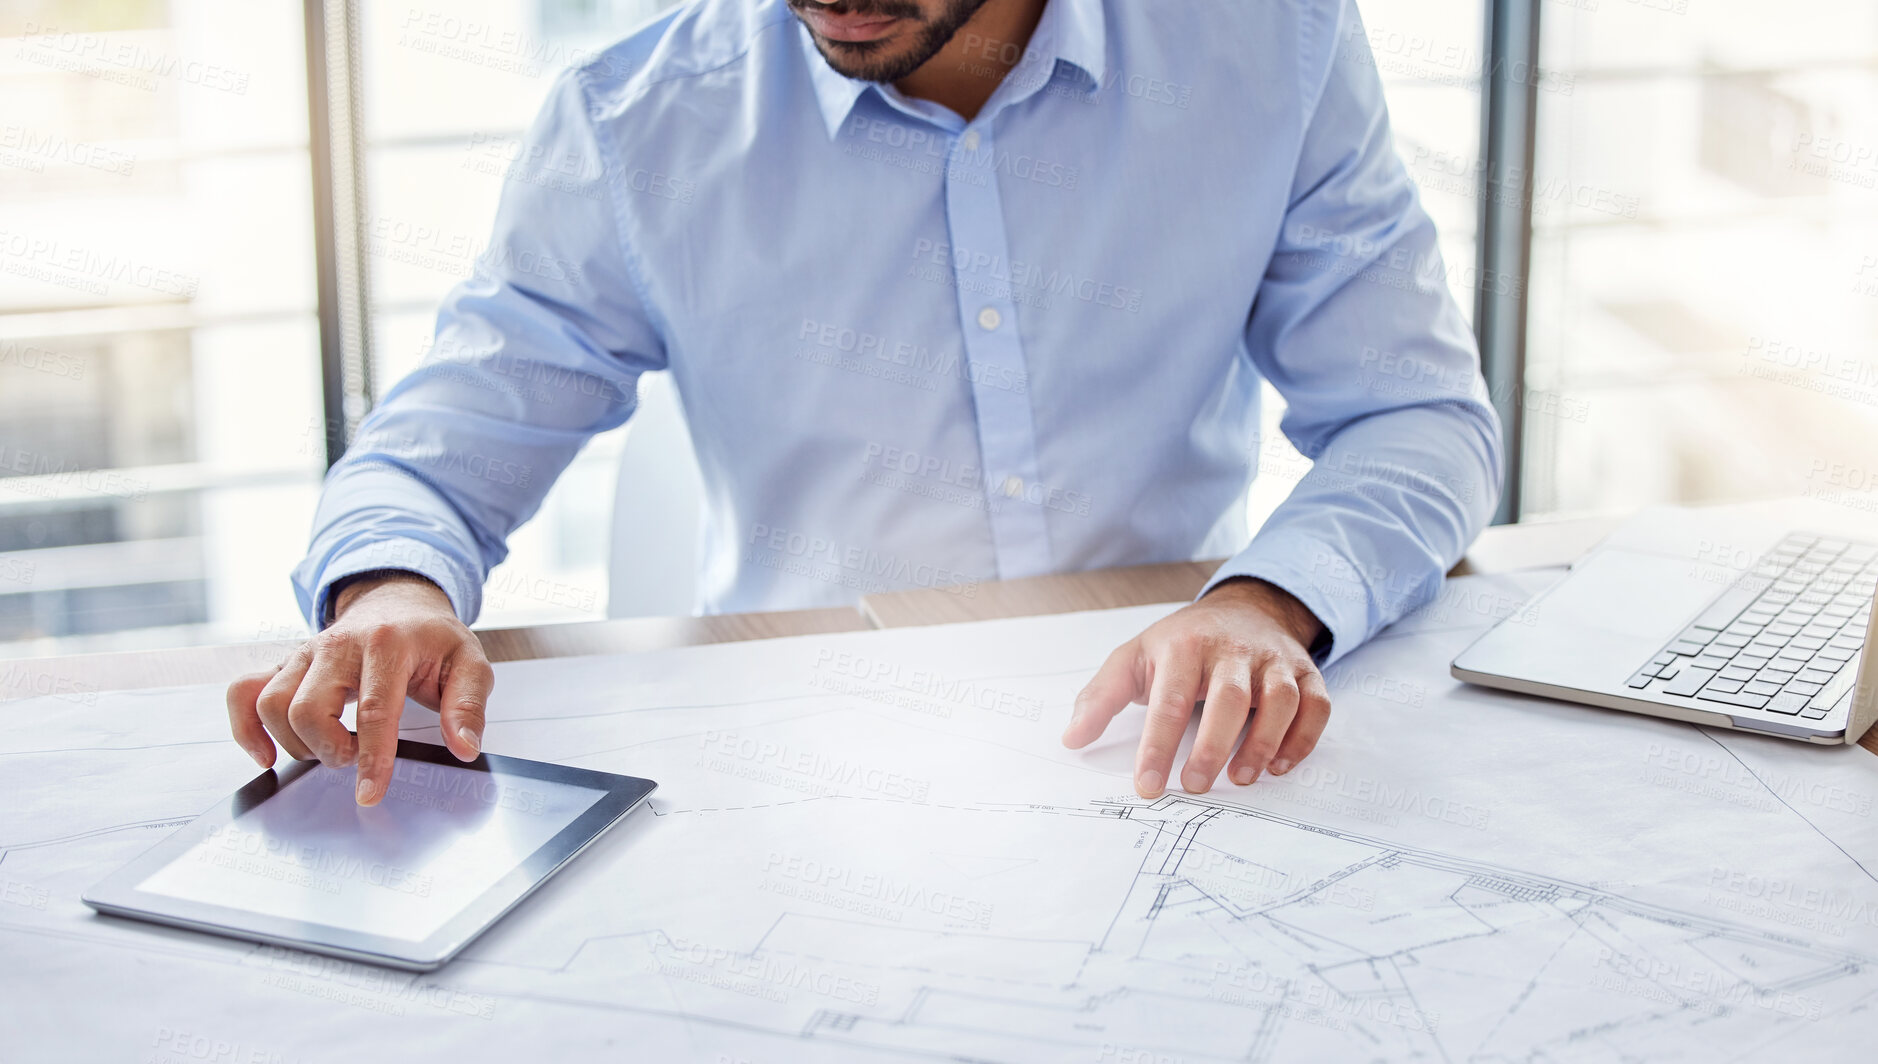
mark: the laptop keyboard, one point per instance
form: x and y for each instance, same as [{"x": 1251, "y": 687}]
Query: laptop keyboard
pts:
[{"x": 1784, "y": 638}]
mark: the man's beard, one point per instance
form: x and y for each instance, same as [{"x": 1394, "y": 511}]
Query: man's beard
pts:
[{"x": 862, "y": 59}]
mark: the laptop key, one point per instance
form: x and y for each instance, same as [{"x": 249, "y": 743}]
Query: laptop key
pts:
[
  {"x": 1663, "y": 659},
  {"x": 1732, "y": 602},
  {"x": 1725, "y": 686},
  {"x": 1762, "y": 688},
  {"x": 1688, "y": 682},
  {"x": 1708, "y": 659},
  {"x": 1815, "y": 714},
  {"x": 1786, "y": 703},
  {"x": 1737, "y": 672},
  {"x": 1641, "y": 679},
  {"x": 1736, "y": 698},
  {"x": 1801, "y": 687},
  {"x": 1833, "y": 691},
  {"x": 1686, "y": 648}
]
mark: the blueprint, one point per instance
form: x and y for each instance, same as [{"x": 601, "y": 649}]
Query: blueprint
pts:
[{"x": 871, "y": 846}]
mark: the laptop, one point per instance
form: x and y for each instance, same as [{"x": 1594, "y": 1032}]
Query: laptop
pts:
[{"x": 1696, "y": 617}]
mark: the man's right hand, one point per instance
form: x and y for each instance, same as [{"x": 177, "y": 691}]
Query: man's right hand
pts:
[{"x": 391, "y": 636}]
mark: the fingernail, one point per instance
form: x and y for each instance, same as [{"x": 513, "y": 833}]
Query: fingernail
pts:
[
  {"x": 1193, "y": 782},
  {"x": 1150, "y": 783},
  {"x": 365, "y": 789},
  {"x": 470, "y": 738},
  {"x": 1242, "y": 775},
  {"x": 259, "y": 757},
  {"x": 1280, "y": 767}
]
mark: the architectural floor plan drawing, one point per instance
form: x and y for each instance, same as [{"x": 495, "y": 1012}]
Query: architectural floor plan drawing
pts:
[
  {"x": 1358, "y": 950},
  {"x": 872, "y": 847}
]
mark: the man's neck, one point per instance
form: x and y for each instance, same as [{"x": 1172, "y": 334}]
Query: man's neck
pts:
[{"x": 964, "y": 74}]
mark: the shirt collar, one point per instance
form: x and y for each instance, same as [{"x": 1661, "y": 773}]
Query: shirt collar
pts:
[{"x": 1070, "y": 30}]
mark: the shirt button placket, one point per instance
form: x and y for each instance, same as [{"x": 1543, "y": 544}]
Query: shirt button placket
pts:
[{"x": 986, "y": 289}]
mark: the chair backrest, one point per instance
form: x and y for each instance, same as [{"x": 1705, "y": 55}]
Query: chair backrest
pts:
[{"x": 658, "y": 510}]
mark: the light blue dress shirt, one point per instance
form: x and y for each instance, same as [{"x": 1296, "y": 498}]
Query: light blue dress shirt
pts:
[{"x": 915, "y": 351}]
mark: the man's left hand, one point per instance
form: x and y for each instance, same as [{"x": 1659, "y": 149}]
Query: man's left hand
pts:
[{"x": 1244, "y": 646}]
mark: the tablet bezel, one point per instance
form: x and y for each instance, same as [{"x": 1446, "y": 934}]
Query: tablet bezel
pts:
[{"x": 118, "y": 895}]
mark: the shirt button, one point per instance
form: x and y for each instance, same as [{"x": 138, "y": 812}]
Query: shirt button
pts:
[
  {"x": 970, "y": 140},
  {"x": 1013, "y": 486},
  {"x": 989, "y": 319}
]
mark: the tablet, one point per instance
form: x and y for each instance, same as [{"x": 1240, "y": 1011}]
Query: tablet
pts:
[{"x": 292, "y": 859}]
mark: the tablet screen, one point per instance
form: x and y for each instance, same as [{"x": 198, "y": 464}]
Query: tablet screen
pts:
[{"x": 441, "y": 837}]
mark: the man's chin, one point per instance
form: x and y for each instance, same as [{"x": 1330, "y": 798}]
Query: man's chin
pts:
[{"x": 884, "y": 59}]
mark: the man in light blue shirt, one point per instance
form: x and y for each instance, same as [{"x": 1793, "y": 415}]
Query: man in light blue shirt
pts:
[{"x": 952, "y": 291}]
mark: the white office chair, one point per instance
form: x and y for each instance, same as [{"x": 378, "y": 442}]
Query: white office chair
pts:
[{"x": 658, "y": 510}]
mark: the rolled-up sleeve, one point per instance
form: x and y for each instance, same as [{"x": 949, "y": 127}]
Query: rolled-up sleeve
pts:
[
  {"x": 538, "y": 350},
  {"x": 1355, "y": 327}
]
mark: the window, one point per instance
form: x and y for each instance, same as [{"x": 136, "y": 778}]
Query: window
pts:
[
  {"x": 1705, "y": 255},
  {"x": 156, "y": 322}
]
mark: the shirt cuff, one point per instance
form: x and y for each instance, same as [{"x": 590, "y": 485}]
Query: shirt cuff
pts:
[
  {"x": 1317, "y": 575},
  {"x": 408, "y": 555}
]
